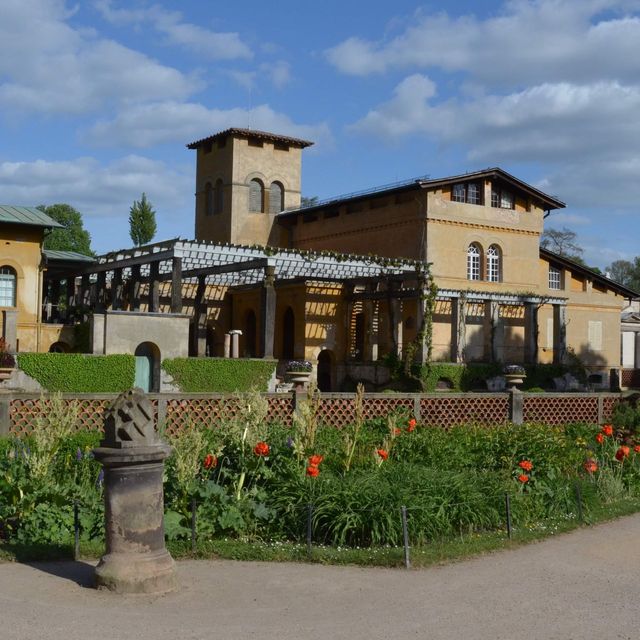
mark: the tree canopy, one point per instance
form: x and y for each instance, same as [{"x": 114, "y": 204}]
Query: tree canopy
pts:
[
  {"x": 626, "y": 272},
  {"x": 563, "y": 242},
  {"x": 142, "y": 221},
  {"x": 73, "y": 236}
]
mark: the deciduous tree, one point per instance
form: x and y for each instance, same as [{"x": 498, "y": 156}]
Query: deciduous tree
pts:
[{"x": 72, "y": 236}]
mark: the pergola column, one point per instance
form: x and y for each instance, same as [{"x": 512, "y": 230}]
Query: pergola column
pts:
[
  {"x": 559, "y": 333},
  {"x": 458, "y": 329},
  {"x": 371, "y": 338},
  {"x": 154, "y": 287},
  {"x": 134, "y": 288},
  {"x": 71, "y": 297},
  {"x": 176, "y": 286},
  {"x": 421, "y": 305},
  {"x": 395, "y": 317},
  {"x": 55, "y": 299},
  {"x": 496, "y": 333},
  {"x": 116, "y": 290},
  {"x": 101, "y": 286},
  {"x": 85, "y": 292},
  {"x": 268, "y": 316},
  {"x": 200, "y": 318},
  {"x": 530, "y": 333}
]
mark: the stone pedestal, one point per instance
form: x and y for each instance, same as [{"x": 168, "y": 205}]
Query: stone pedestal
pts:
[{"x": 136, "y": 560}]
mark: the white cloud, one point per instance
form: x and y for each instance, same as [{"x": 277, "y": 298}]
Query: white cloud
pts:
[
  {"x": 529, "y": 41},
  {"x": 48, "y": 66},
  {"x": 278, "y": 73},
  {"x": 146, "y": 125},
  {"x": 214, "y": 45}
]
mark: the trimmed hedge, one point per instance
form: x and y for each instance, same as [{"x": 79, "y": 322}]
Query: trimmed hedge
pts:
[
  {"x": 219, "y": 375},
  {"x": 80, "y": 373}
]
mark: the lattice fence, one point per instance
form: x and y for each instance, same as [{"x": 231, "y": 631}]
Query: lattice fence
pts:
[
  {"x": 339, "y": 411},
  {"x": 560, "y": 409},
  {"x": 630, "y": 378},
  {"x": 608, "y": 405},
  {"x": 448, "y": 411}
]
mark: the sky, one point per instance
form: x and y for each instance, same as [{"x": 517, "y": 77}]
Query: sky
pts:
[{"x": 98, "y": 99}]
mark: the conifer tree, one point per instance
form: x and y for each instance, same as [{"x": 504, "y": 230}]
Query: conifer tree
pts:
[{"x": 142, "y": 221}]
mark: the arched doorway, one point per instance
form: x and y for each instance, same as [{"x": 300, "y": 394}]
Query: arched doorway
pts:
[
  {"x": 325, "y": 370},
  {"x": 288, "y": 334},
  {"x": 249, "y": 334},
  {"x": 59, "y": 347},
  {"x": 147, "y": 375}
]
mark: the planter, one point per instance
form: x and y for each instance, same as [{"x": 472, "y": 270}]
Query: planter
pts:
[
  {"x": 5, "y": 373},
  {"x": 514, "y": 379},
  {"x": 299, "y": 378}
]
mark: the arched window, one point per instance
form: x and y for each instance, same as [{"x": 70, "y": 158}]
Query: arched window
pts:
[
  {"x": 276, "y": 203},
  {"x": 8, "y": 279},
  {"x": 473, "y": 262},
  {"x": 218, "y": 201},
  {"x": 493, "y": 263},
  {"x": 208, "y": 199},
  {"x": 256, "y": 196}
]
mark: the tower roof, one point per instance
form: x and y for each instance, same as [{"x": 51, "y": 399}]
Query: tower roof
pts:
[{"x": 251, "y": 133}]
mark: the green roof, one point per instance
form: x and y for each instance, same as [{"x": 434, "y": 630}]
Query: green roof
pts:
[
  {"x": 26, "y": 215},
  {"x": 69, "y": 256}
]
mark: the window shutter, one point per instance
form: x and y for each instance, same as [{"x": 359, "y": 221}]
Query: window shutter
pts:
[
  {"x": 275, "y": 198},
  {"x": 255, "y": 196}
]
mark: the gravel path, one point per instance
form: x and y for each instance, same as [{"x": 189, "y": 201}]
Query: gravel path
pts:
[{"x": 581, "y": 585}]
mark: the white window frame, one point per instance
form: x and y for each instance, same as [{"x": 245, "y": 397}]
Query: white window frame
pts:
[
  {"x": 555, "y": 278},
  {"x": 8, "y": 286},
  {"x": 493, "y": 263},
  {"x": 474, "y": 255}
]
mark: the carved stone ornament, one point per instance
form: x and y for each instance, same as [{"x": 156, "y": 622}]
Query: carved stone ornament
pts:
[{"x": 129, "y": 421}]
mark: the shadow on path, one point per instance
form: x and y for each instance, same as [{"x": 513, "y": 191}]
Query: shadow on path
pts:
[{"x": 76, "y": 571}]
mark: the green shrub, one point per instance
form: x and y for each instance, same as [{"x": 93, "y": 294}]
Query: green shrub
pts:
[
  {"x": 219, "y": 375},
  {"x": 80, "y": 373}
]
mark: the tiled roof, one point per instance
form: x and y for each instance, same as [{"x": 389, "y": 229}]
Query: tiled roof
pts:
[
  {"x": 252, "y": 133},
  {"x": 26, "y": 215}
]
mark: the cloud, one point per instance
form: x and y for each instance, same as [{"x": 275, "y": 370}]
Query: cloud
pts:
[
  {"x": 48, "y": 66},
  {"x": 278, "y": 73},
  {"x": 151, "y": 124},
  {"x": 527, "y": 42},
  {"x": 205, "y": 42}
]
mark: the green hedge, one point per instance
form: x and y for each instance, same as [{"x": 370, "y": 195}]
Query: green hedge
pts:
[
  {"x": 79, "y": 373},
  {"x": 221, "y": 375}
]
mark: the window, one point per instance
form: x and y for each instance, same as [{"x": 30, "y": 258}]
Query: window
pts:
[
  {"x": 255, "y": 196},
  {"x": 7, "y": 287},
  {"x": 467, "y": 192},
  {"x": 218, "y": 200},
  {"x": 276, "y": 204},
  {"x": 493, "y": 263},
  {"x": 501, "y": 198},
  {"x": 473, "y": 262},
  {"x": 555, "y": 278},
  {"x": 208, "y": 199}
]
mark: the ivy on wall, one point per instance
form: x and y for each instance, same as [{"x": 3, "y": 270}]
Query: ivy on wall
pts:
[
  {"x": 79, "y": 373},
  {"x": 219, "y": 375}
]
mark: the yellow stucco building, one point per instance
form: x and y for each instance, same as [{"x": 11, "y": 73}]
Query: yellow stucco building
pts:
[{"x": 342, "y": 282}]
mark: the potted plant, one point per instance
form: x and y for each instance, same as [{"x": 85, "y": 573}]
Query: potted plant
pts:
[
  {"x": 515, "y": 375},
  {"x": 298, "y": 372},
  {"x": 7, "y": 360}
]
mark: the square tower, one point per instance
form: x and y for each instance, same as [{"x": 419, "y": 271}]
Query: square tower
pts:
[{"x": 244, "y": 179}]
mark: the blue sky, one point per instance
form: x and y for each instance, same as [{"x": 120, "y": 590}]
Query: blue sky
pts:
[{"x": 98, "y": 99}]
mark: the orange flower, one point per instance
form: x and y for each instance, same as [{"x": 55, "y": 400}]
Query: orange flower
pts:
[
  {"x": 607, "y": 430},
  {"x": 397, "y": 432},
  {"x": 523, "y": 478},
  {"x": 637, "y": 448},
  {"x": 315, "y": 460},
  {"x": 527, "y": 465},
  {"x": 382, "y": 453},
  {"x": 412, "y": 425},
  {"x": 261, "y": 449},
  {"x": 313, "y": 471},
  {"x": 600, "y": 438},
  {"x": 210, "y": 461},
  {"x": 590, "y": 466},
  {"x": 622, "y": 453}
]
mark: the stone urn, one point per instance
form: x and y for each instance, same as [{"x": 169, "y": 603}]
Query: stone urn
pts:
[
  {"x": 298, "y": 373},
  {"x": 514, "y": 375},
  {"x": 132, "y": 454}
]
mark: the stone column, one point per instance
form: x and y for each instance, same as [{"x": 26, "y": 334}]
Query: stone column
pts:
[
  {"x": 227, "y": 345},
  {"x": 268, "y": 316},
  {"x": 395, "y": 313},
  {"x": 496, "y": 332},
  {"x": 176, "y": 286},
  {"x": 154, "y": 287},
  {"x": 235, "y": 342},
  {"x": 200, "y": 318},
  {"x": 421, "y": 351},
  {"x": 530, "y": 332},
  {"x": 132, "y": 454},
  {"x": 559, "y": 333}
]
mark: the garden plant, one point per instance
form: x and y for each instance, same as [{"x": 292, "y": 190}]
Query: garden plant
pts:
[{"x": 255, "y": 481}]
